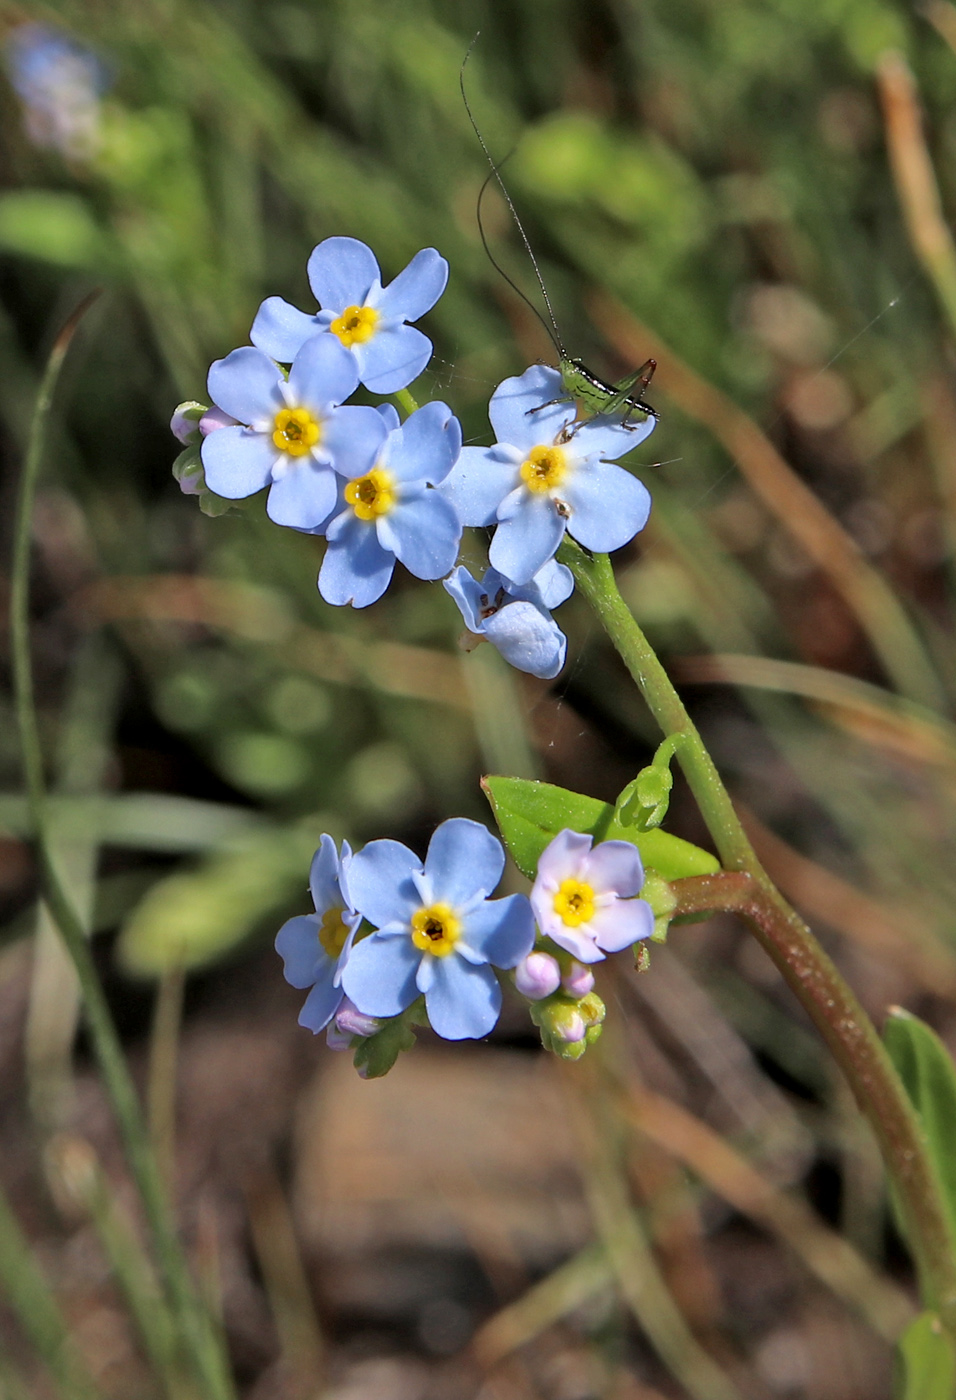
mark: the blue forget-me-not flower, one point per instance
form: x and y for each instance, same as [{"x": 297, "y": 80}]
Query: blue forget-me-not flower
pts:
[
  {"x": 291, "y": 432},
  {"x": 392, "y": 511},
  {"x": 368, "y": 319},
  {"x": 544, "y": 476},
  {"x": 517, "y": 619},
  {"x": 316, "y": 947},
  {"x": 437, "y": 932},
  {"x": 583, "y": 898}
]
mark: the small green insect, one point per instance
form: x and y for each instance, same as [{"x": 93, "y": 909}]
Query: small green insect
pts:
[{"x": 596, "y": 394}]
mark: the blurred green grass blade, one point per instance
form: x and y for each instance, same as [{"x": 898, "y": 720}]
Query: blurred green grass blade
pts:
[
  {"x": 929, "y": 1075},
  {"x": 927, "y": 1361}
]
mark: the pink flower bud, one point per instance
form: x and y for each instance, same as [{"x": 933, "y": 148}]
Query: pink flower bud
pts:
[
  {"x": 214, "y": 419},
  {"x": 184, "y": 423},
  {"x": 537, "y": 976},
  {"x": 569, "y": 1026},
  {"x": 578, "y": 980},
  {"x": 336, "y": 1039},
  {"x": 350, "y": 1021}
]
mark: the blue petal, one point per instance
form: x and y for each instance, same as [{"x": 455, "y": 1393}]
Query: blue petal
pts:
[
  {"x": 554, "y": 583},
  {"x": 390, "y": 415},
  {"x": 304, "y": 497},
  {"x": 297, "y": 944},
  {"x": 356, "y": 569},
  {"x": 512, "y": 401},
  {"x": 528, "y": 639},
  {"x": 501, "y": 931},
  {"x": 464, "y": 861},
  {"x": 324, "y": 876},
  {"x": 423, "y": 533},
  {"x": 463, "y": 1001},
  {"x": 393, "y": 357},
  {"x": 524, "y": 543},
  {"x": 341, "y": 273},
  {"x": 237, "y": 461},
  {"x": 246, "y": 385},
  {"x": 281, "y": 330},
  {"x": 381, "y": 884},
  {"x": 416, "y": 288},
  {"x": 606, "y": 435},
  {"x": 478, "y": 483},
  {"x": 468, "y": 594},
  {"x": 323, "y": 373},
  {"x": 322, "y": 1002},
  {"x": 614, "y": 867},
  {"x": 427, "y": 446},
  {"x": 380, "y": 975},
  {"x": 621, "y": 924},
  {"x": 354, "y": 436},
  {"x": 608, "y": 506}
]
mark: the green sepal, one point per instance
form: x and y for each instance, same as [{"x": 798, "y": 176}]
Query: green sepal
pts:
[
  {"x": 929, "y": 1076},
  {"x": 376, "y": 1054},
  {"x": 926, "y": 1361},
  {"x": 188, "y": 465},
  {"x": 530, "y": 815}
]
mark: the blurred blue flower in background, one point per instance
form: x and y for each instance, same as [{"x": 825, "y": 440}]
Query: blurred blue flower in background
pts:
[
  {"x": 60, "y": 84},
  {"x": 544, "y": 476},
  {"x": 367, "y": 318},
  {"x": 437, "y": 932},
  {"x": 315, "y": 947},
  {"x": 516, "y": 619},
  {"x": 292, "y": 433},
  {"x": 391, "y": 512}
]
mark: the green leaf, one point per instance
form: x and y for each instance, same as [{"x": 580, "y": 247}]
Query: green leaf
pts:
[
  {"x": 927, "y": 1369},
  {"x": 192, "y": 918},
  {"x": 377, "y": 1053},
  {"x": 56, "y": 227},
  {"x": 927, "y": 1071},
  {"x": 530, "y": 815}
]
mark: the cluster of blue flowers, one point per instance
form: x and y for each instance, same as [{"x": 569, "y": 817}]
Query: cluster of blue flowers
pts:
[
  {"x": 388, "y": 929},
  {"x": 392, "y": 937},
  {"x": 379, "y": 489}
]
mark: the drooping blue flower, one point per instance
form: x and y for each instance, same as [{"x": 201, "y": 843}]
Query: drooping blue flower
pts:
[
  {"x": 584, "y": 898},
  {"x": 393, "y": 511},
  {"x": 437, "y": 932},
  {"x": 368, "y": 319},
  {"x": 315, "y": 947},
  {"x": 517, "y": 619},
  {"x": 292, "y": 432},
  {"x": 544, "y": 476}
]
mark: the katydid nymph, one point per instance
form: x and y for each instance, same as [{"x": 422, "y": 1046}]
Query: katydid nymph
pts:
[{"x": 579, "y": 382}]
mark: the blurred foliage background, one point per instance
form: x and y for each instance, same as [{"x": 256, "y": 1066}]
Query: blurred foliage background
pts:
[{"x": 708, "y": 184}]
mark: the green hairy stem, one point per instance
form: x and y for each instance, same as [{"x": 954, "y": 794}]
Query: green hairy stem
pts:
[{"x": 747, "y": 889}]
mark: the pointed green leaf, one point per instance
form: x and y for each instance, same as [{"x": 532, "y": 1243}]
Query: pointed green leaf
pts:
[
  {"x": 926, "y": 1069},
  {"x": 530, "y": 814},
  {"x": 927, "y": 1359}
]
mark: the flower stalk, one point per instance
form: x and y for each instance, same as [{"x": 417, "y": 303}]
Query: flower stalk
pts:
[{"x": 745, "y": 888}]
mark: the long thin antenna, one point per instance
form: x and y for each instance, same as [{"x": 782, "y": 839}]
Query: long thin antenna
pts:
[
  {"x": 553, "y": 330},
  {"x": 498, "y": 268}
]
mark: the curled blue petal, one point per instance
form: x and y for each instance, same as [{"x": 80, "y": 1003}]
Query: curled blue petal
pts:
[
  {"x": 468, "y": 594},
  {"x": 246, "y": 384},
  {"x": 528, "y": 639},
  {"x": 237, "y": 462},
  {"x": 463, "y": 1001},
  {"x": 379, "y": 976},
  {"x": 516, "y": 410},
  {"x": 356, "y": 569},
  {"x": 381, "y": 885},
  {"x": 390, "y": 415},
  {"x": 322, "y": 1002},
  {"x": 392, "y": 358},
  {"x": 281, "y": 330},
  {"x": 608, "y": 506},
  {"x": 342, "y": 272},
  {"x": 464, "y": 861},
  {"x": 416, "y": 288},
  {"x": 554, "y": 583},
  {"x": 297, "y": 944},
  {"x": 324, "y": 876}
]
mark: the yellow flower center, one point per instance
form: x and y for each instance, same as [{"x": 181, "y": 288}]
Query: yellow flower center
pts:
[
  {"x": 296, "y": 431},
  {"x": 436, "y": 930},
  {"x": 333, "y": 931},
  {"x": 545, "y": 468},
  {"x": 371, "y": 495},
  {"x": 574, "y": 902},
  {"x": 355, "y": 326}
]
